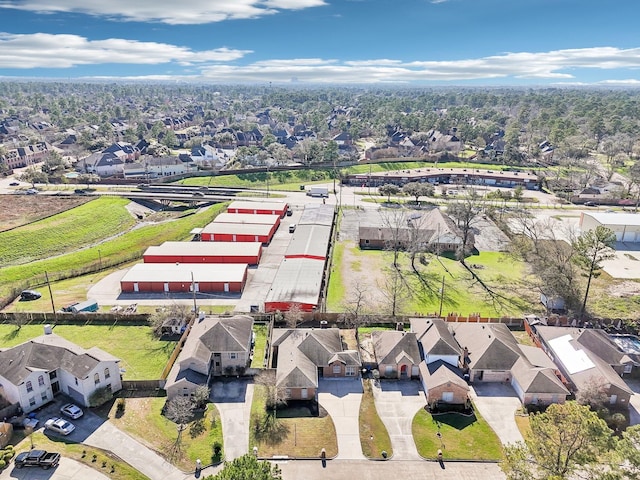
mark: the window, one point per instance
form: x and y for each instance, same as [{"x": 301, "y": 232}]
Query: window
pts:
[
  {"x": 29, "y": 387},
  {"x": 287, "y": 393},
  {"x": 350, "y": 371},
  {"x": 41, "y": 380},
  {"x": 76, "y": 381},
  {"x": 628, "y": 367},
  {"x": 96, "y": 378},
  {"x": 337, "y": 369},
  {"x": 32, "y": 401},
  {"x": 44, "y": 396},
  {"x": 107, "y": 374},
  {"x": 53, "y": 375},
  {"x": 447, "y": 397},
  {"x": 232, "y": 356}
]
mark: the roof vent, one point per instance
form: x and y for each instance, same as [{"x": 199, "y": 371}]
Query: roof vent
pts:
[{"x": 48, "y": 330}]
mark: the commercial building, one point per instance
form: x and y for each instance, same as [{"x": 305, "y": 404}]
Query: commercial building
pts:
[
  {"x": 204, "y": 252},
  {"x": 237, "y": 232},
  {"x": 298, "y": 281},
  {"x": 185, "y": 277},
  {"x": 260, "y": 208},
  {"x": 310, "y": 241},
  {"x": 317, "y": 214},
  {"x": 250, "y": 219},
  {"x": 626, "y": 226}
]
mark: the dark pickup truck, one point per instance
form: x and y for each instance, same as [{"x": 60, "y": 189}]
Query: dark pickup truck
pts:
[{"x": 37, "y": 458}]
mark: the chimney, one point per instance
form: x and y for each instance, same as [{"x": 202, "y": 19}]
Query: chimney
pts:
[{"x": 47, "y": 329}]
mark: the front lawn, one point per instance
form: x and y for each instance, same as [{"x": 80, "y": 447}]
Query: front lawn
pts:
[
  {"x": 294, "y": 436},
  {"x": 462, "y": 437},
  {"x": 142, "y": 419},
  {"x": 100, "y": 460},
  {"x": 374, "y": 437},
  {"x": 142, "y": 356},
  {"x": 260, "y": 331}
]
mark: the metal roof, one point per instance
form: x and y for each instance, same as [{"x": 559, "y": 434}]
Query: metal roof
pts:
[
  {"x": 317, "y": 214},
  {"x": 310, "y": 240},
  {"x": 205, "y": 248},
  {"x": 615, "y": 218},
  {"x": 257, "y": 205},
  {"x": 298, "y": 280},
  {"x": 247, "y": 218},
  {"x": 239, "y": 228},
  {"x": 181, "y": 272}
]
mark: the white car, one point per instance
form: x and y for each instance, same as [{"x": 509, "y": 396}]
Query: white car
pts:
[
  {"x": 72, "y": 411},
  {"x": 59, "y": 425}
]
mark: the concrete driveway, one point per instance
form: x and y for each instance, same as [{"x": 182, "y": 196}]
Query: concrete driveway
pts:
[
  {"x": 341, "y": 398},
  {"x": 67, "y": 470},
  {"x": 397, "y": 402},
  {"x": 233, "y": 399},
  {"x": 497, "y": 403}
]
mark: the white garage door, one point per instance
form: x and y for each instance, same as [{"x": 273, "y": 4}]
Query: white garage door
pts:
[{"x": 493, "y": 376}]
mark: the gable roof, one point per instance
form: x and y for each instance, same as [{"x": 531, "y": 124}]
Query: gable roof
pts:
[
  {"x": 490, "y": 346},
  {"x": 537, "y": 380},
  {"x": 390, "y": 345},
  {"x": 440, "y": 373},
  {"x": 47, "y": 353},
  {"x": 435, "y": 337}
]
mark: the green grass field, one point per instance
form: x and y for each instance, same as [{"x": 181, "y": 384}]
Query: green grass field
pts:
[
  {"x": 127, "y": 247},
  {"x": 464, "y": 438},
  {"x": 142, "y": 356},
  {"x": 66, "y": 231}
]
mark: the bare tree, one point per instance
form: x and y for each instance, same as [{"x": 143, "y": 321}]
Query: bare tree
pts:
[
  {"x": 395, "y": 222},
  {"x": 180, "y": 411},
  {"x": 181, "y": 313},
  {"x": 355, "y": 306},
  {"x": 294, "y": 316},
  {"x": 465, "y": 214},
  {"x": 201, "y": 396},
  {"x": 276, "y": 395},
  {"x": 395, "y": 292},
  {"x": 594, "y": 393}
]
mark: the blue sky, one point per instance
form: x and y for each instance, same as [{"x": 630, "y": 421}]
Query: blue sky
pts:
[{"x": 414, "y": 42}]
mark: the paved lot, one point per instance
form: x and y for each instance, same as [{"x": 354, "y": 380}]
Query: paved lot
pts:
[
  {"x": 397, "y": 402},
  {"x": 233, "y": 399},
  {"x": 360, "y": 469},
  {"x": 497, "y": 403},
  {"x": 67, "y": 470},
  {"x": 341, "y": 397}
]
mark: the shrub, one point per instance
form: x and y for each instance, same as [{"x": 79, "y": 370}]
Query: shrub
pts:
[{"x": 121, "y": 405}]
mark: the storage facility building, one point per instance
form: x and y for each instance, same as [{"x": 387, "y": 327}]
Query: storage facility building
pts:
[
  {"x": 250, "y": 219},
  {"x": 310, "y": 241},
  {"x": 625, "y": 225},
  {"x": 317, "y": 214},
  {"x": 297, "y": 281},
  {"x": 182, "y": 277},
  {"x": 260, "y": 208},
  {"x": 237, "y": 232},
  {"x": 204, "y": 252}
]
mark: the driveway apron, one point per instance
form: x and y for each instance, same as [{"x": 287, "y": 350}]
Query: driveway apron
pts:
[
  {"x": 397, "y": 402},
  {"x": 233, "y": 399},
  {"x": 341, "y": 398},
  {"x": 497, "y": 403}
]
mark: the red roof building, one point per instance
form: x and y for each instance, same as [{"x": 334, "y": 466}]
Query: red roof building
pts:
[
  {"x": 204, "y": 252},
  {"x": 260, "y": 208},
  {"x": 183, "y": 277},
  {"x": 237, "y": 232}
]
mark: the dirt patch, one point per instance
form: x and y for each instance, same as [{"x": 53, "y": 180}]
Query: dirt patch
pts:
[
  {"x": 625, "y": 289},
  {"x": 361, "y": 272},
  {"x": 16, "y": 210}
]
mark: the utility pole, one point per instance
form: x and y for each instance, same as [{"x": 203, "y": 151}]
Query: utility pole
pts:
[
  {"x": 441, "y": 297},
  {"x": 193, "y": 289},
  {"x": 53, "y": 307}
]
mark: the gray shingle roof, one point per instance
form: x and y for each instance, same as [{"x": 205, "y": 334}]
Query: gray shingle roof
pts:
[
  {"x": 389, "y": 345},
  {"x": 435, "y": 337}
]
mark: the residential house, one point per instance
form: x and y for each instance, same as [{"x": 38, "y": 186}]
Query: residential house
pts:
[
  {"x": 25, "y": 156},
  {"x": 215, "y": 346},
  {"x": 154, "y": 167},
  {"x": 124, "y": 151},
  {"x": 583, "y": 356},
  {"x": 433, "y": 230},
  {"x": 301, "y": 356},
  {"x": 488, "y": 352},
  {"x": 443, "y": 384},
  {"x": 33, "y": 372},
  {"x": 396, "y": 353},
  {"x": 102, "y": 164},
  {"x": 343, "y": 139}
]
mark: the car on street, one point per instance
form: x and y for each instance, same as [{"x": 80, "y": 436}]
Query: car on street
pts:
[
  {"x": 31, "y": 191},
  {"x": 292, "y": 228},
  {"x": 27, "y": 295},
  {"x": 14, "y": 184},
  {"x": 72, "y": 411},
  {"x": 289, "y": 212},
  {"x": 59, "y": 425}
]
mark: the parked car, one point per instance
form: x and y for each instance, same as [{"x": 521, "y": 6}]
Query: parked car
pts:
[
  {"x": 30, "y": 421},
  {"x": 59, "y": 425},
  {"x": 289, "y": 212},
  {"x": 37, "y": 458},
  {"x": 31, "y": 191},
  {"x": 292, "y": 228},
  {"x": 71, "y": 411},
  {"x": 14, "y": 184},
  {"x": 30, "y": 295}
]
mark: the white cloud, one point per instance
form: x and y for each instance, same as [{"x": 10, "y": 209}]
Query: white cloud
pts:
[
  {"x": 221, "y": 65},
  {"x": 629, "y": 82},
  {"x": 184, "y": 12},
  {"x": 42, "y": 50}
]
